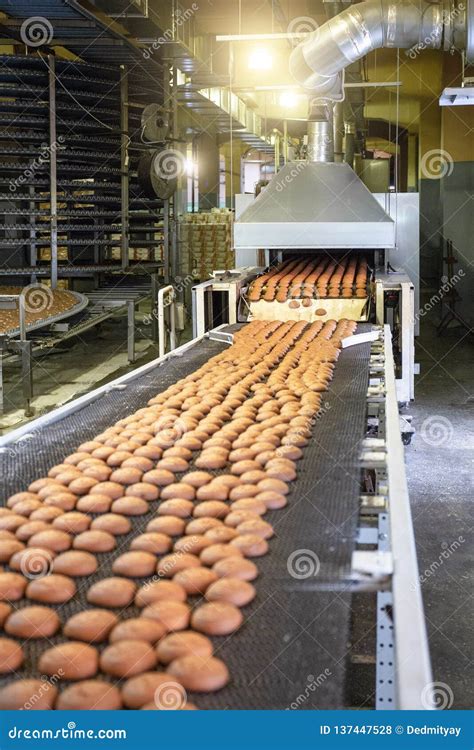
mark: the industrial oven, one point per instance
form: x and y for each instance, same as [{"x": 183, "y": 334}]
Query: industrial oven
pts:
[{"x": 322, "y": 209}]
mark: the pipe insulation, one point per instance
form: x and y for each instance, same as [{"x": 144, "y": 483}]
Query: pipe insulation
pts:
[{"x": 318, "y": 61}]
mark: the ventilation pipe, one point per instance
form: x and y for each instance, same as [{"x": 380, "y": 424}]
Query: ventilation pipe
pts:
[
  {"x": 333, "y": 9},
  {"x": 320, "y": 132},
  {"x": 349, "y": 146},
  {"x": 317, "y": 63}
]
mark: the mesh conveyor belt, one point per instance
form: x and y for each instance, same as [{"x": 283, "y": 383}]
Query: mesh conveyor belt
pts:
[{"x": 293, "y": 645}]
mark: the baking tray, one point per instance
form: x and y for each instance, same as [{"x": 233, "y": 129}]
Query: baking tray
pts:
[{"x": 81, "y": 304}]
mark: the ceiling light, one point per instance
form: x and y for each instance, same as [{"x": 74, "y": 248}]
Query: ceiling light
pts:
[
  {"x": 288, "y": 99},
  {"x": 260, "y": 59}
]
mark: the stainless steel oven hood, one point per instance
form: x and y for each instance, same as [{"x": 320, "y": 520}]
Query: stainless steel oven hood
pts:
[{"x": 313, "y": 205}]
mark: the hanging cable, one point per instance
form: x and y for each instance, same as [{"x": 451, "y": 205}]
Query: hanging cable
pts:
[
  {"x": 149, "y": 143},
  {"x": 104, "y": 125}
]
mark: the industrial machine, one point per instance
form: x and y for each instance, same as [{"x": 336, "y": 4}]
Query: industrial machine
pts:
[
  {"x": 349, "y": 505},
  {"x": 320, "y": 205},
  {"x": 349, "y": 508},
  {"x": 322, "y": 209}
]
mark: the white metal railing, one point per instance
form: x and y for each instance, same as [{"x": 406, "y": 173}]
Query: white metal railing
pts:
[{"x": 166, "y": 298}]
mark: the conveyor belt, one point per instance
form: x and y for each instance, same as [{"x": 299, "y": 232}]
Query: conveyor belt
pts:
[
  {"x": 295, "y": 638},
  {"x": 63, "y": 270},
  {"x": 48, "y": 320}
]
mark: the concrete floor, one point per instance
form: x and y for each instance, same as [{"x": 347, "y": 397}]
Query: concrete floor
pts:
[
  {"x": 439, "y": 463},
  {"x": 78, "y": 366},
  {"x": 441, "y": 483}
]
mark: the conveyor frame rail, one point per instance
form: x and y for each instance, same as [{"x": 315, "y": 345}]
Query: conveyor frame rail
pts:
[{"x": 403, "y": 668}]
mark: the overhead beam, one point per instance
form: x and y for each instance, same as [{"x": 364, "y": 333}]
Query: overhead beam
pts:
[
  {"x": 278, "y": 13},
  {"x": 260, "y": 37}
]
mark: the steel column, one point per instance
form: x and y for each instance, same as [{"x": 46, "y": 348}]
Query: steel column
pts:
[
  {"x": 131, "y": 331},
  {"x": 174, "y": 104},
  {"x": 53, "y": 174},
  {"x": 124, "y": 165},
  {"x": 32, "y": 222},
  {"x": 166, "y": 203},
  {"x": 25, "y": 349},
  {"x": 155, "y": 288}
]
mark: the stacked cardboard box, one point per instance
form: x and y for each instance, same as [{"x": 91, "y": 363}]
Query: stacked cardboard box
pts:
[
  {"x": 145, "y": 254},
  {"x": 44, "y": 254},
  {"x": 207, "y": 242}
]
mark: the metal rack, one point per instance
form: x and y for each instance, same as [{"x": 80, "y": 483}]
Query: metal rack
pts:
[
  {"x": 93, "y": 309},
  {"x": 16, "y": 340},
  {"x": 69, "y": 194}
]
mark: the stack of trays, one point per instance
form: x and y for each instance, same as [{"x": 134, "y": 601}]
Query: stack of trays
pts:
[{"x": 206, "y": 241}]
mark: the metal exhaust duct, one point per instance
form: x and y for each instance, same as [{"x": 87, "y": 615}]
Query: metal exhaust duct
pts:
[
  {"x": 318, "y": 62},
  {"x": 349, "y": 147},
  {"x": 320, "y": 204},
  {"x": 321, "y": 133}
]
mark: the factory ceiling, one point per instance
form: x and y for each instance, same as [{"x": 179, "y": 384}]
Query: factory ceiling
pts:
[{"x": 184, "y": 32}]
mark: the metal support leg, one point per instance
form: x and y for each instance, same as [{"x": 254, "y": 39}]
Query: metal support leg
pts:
[
  {"x": 172, "y": 325},
  {"x": 131, "y": 331},
  {"x": 26, "y": 375},
  {"x": 406, "y": 388},
  {"x": 199, "y": 307},
  {"x": 155, "y": 288},
  {"x": 166, "y": 299},
  {"x": 450, "y": 316},
  {"x": 208, "y": 300},
  {"x": 379, "y": 304},
  {"x": 194, "y": 309},
  {"x": 232, "y": 304}
]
